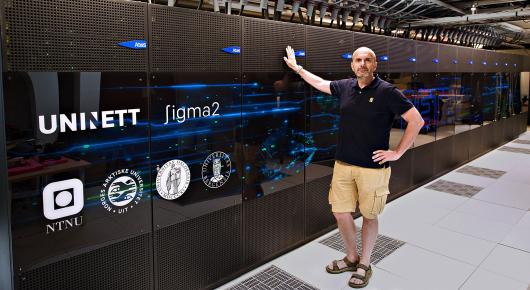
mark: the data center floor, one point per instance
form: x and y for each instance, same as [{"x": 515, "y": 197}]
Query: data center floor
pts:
[{"x": 468, "y": 229}]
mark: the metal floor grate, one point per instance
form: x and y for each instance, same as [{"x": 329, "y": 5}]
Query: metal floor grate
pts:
[
  {"x": 521, "y": 141},
  {"x": 454, "y": 188},
  {"x": 515, "y": 150},
  {"x": 272, "y": 278},
  {"x": 384, "y": 246},
  {"x": 480, "y": 171}
]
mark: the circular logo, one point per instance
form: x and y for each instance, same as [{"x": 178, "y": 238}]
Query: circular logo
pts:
[
  {"x": 216, "y": 169},
  {"x": 173, "y": 179},
  {"x": 121, "y": 190}
]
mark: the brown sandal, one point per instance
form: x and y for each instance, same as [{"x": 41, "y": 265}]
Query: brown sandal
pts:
[
  {"x": 350, "y": 266},
  {"x": 365, "y": 278}
]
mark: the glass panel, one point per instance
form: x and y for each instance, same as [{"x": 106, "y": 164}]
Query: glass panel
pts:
[
  {"x": 78, "y": 161},
  {"x": 273, "y": 137},
  {"x": 447, "y": 90},
  {"x": 196, "y": 166},
  {"x": 488, "y": 93}
]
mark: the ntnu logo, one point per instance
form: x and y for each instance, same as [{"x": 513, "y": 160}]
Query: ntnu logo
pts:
[
  {"x": 76, "y": 122},
  {"x": 134, "y": 44}
]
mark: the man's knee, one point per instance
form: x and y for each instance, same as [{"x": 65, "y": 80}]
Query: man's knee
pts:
[{"x": 342, "y": 216}]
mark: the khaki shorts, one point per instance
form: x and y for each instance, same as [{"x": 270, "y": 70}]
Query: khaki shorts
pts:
[{"x": 351, "y": 184}]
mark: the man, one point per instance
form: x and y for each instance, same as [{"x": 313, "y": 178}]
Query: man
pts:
[{"x": 361, "y": 172}]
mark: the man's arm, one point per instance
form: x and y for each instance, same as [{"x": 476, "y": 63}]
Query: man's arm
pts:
[
  {"x": 314, "y": 80},
  {"x": 414, "y": 124}
]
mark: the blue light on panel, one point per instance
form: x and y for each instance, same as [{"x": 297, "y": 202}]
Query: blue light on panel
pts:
[
  {"x": 484, "y": 63},
  {"x": 134, "y": 44},
  {"x": 383, "y": 58},
  {"x": 435, "y": 60},
  {"x": 346, "y": 56},
  {"x": 299, "y": 53},
  {"x": 470, "y": 62},
  {"x": 412, "y": 59},
  {"x": 455, "y": 61},
  {"x": 496, "y": 64},
  {"x": 232, "y": 50}
]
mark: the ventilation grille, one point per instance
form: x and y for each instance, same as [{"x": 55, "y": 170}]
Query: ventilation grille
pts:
[
  {"x": 465, "y": 55},
  {"x": 273, "y": 278},
  {"x": 426, "y": 53},
  {"x": 201, "y": 251},
  {"x": 264, "y": 44},
  {"x": 74, "y": 35},
  {"x": 125, "y": 265},
  {"x": 400, "y": 52},
  {"x": 447, "y": 54},
  {"x": 274, "y": 222},
  {"x": 325, "y": 48},
  {"x": 187, "y": 40},
  {"x": 318, "y": 210},
  {"x": 384, "y": 246},
  {"x": 454, "y": 188}
]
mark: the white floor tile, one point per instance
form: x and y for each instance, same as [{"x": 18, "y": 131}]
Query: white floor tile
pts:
[
  {"x": 308, "y": 264},
  {"x": 518, "y": 174},
  {"x": 432, "y": 198},
  {"x": 499, "y": 160},
  {"x": 458, "y": 246},
  {"x": 486, "y": 280},
  {"x": 426, "y": 268},
  {"x": 468, "y": 179},
  {"x": 491, "y": 212},
  {"x": 474, "y": 226},
  {"x": 519, "y": 237},
  {"x": 509, "y": 262},
  {"x": 512, "y": 194}
]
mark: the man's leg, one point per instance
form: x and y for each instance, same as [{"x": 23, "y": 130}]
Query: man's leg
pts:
[
  {"x": 348, "y": 233},
  {"x": 369, "y": 237},
  {"x": 343, "y": 197}
]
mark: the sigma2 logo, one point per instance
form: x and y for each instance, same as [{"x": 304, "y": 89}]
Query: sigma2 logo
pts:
[
  {"x": 63, "y": 199},
  {"x": 122, "y": 190}
]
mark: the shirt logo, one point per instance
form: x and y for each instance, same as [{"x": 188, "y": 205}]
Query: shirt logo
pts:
[{"x": 371, "y": 100}]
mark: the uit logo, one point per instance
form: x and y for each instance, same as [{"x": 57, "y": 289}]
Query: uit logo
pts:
[
  {"x": 371, "y": 100},
  {"x": 216, "y": 169},
  {"x": 122, "y": 190},
  {"x": 63, "y": 199},
  {"x": 173, "y": 179}
]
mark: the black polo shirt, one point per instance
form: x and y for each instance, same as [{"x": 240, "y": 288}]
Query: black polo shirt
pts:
[{"x": 366, "y": 117}]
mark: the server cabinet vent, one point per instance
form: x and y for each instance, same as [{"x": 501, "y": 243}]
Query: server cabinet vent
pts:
[
  {"x": 74, "y": 35},
  {"x": 187, "y": 40},
  {"x": 328, "y": 49},
  {"x": 448, "y": 57},
  {"x": 427, "y": 57},
  {"x": 124, "y": 265},
  {"x": 274, "y": 223},
  {"x": 402, "y": 53},
  {"x": 318, "y": 210},
  {"x": 198, "y": 252},
  {"x": 264, "y": 44}
]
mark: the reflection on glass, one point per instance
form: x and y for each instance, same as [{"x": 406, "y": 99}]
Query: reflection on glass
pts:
[
  {"x": 273, "y": 138},
  {"x": 398, "y": 126},
  {"x": 446, "y": 88},
  {"x": 469, "y": 102},
  {"x": 195, "y": 118},
  {"x": 488, "y": 93},
  {"x": 78, "y": 166}
]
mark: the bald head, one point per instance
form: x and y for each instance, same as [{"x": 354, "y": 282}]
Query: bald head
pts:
[
  {"x": 364, "y": 63},
  {"x": 363, "y": 49}
]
